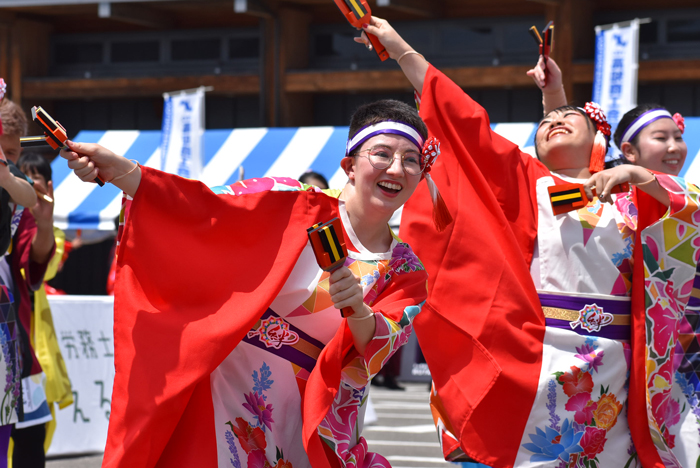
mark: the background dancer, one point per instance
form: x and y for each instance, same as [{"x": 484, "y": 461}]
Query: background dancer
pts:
[
  {"x": 240, "y": 356},
  {"x": 542, "y": 381},
  {"x": 649, "y": 136},
  {"x": 28, "y": 251}
]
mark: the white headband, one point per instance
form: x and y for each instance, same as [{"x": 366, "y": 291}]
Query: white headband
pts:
[
  {"x": 642, "y": 121},
  {"x": 387, "y": 126}
]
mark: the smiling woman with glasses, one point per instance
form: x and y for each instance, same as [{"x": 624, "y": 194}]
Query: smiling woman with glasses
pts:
[
  {"x": 381, "y": 157},
  {"x": 260, "y": 366}
]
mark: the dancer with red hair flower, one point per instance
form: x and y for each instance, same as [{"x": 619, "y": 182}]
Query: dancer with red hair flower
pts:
[{"x": 562, "y": 305}]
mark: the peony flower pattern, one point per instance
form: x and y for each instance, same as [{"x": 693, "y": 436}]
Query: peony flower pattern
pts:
[
  {"x": 594, "y": 414},
  {"x": 252, "y": 437}
]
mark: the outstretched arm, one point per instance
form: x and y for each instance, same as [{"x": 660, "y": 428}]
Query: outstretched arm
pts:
[
  {"x": 549, "y": 80},
  {"x": 413, "y": 65},
  {"x": 88, "y": 160},
  {"x": 43, "y": 243},
  {"x": 20, "y": 190},
  {"x": 646, "y": 181}
]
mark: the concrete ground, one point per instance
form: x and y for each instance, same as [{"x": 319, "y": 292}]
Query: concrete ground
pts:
[{"x": 404, "y": 433}]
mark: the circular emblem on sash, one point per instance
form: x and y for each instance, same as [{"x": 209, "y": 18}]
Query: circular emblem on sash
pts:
[
  {"x": 274, "y": 332},
  {"x": 592, "y": 318}
]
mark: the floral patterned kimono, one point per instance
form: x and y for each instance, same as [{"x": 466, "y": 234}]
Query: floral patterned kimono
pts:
[
  {"x": 569, "y": 379},
  {"x": 261, "y": 395},
  {"x": 585, "y": 373},
  {"x": 257, "y": 388}
]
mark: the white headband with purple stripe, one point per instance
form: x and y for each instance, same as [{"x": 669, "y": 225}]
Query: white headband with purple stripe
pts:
[
  {"x": 642, "y": 121},
  {"x": 387, "y": 126}
]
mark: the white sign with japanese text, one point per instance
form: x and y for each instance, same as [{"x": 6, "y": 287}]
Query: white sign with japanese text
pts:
[
  {"x": 83, "y": 327},
  {"x": 616, "y": 63},
  {"x": 182, "y": 139}
]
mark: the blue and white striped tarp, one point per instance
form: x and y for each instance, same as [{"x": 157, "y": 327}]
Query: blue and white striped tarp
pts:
[{"x": 262, "y": 152}]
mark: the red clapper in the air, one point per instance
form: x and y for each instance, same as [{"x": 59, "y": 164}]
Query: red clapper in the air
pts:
[
  {"x": 358, "y": 12},
  {"x": 544, "y": 41}
]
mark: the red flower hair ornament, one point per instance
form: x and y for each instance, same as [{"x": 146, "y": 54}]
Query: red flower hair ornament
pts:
[
  {"x": 602, "y": 136},
  {"x": 680, "y": 121},
  {"x": 441, "y": 215}
]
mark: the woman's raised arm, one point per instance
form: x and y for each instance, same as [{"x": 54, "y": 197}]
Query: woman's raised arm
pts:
[
  {"x": 549, "y": 80},
  {"x": 411, "y": 62}
]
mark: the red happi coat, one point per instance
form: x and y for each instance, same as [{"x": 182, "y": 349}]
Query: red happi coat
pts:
[
  {"x": 195, "y": 271},
  {"x": 483, "y": 309}
]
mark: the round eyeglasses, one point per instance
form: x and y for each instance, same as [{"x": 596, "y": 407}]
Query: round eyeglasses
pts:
[{"x": 382, "y": 158}]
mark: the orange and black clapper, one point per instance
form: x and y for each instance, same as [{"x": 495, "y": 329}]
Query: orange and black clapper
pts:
[
  {"x": 358, "y": 12},
  {"x": 545, "y": 41},
  {"x": 328, "y": 244},
  {"x": 54, "y": 134},
  {"x": 570, "y": 197}
]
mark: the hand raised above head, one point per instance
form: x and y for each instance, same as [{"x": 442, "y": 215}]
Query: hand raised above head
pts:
[{"x": 387, "y": 35}]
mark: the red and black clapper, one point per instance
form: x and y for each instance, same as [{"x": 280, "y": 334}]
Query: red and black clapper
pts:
[
  {"x": 570, "y": 197},
  {"x": 54, "y": 134},
  {"x": 358, "y": 12},
  {"x": 328, "y": 244},
  {"x": 545, "y": 40}
]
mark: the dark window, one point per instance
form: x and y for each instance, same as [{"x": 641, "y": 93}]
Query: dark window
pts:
[
  {"x": 516, "y": 37},
  {"x": 79, "y": 53},
  {"x": 196, "y": 49},
  {"x": 683, "y": 30},
  {"x": 461, "y": 39},
  {"x": 649, "y": 33},
  {"x": 243, "y": 47},
  {"x": 135, "y": 51},
  {"x": 324, "y": 45}
]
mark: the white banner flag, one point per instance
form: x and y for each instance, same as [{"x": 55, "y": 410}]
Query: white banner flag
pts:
[
  {"x": 616, "y": 63},
  {"x": 182, "y": 145}
]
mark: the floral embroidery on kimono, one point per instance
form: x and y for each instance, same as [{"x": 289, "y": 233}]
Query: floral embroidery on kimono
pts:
[{"x": 257, "y": 414}]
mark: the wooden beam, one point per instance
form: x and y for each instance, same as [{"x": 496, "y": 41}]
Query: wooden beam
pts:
[
  {"x": 16, "y": 64},
  {"x": 136, "y": 87},
  {"x": 650, "y": 71},
  {"x": 546, "y": 2},
  {"x": 507, "y": 76},
  {"x": 4, "y": 50},
  {"x": 563, "y": 46},
  {"x": 295, "y": 109},
  {"x": 394, "y": 80},
  {"x": 416, "y": 7},
  {"x": 134, "y": 14}
]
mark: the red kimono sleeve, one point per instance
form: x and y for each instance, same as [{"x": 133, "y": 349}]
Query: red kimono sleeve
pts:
[
  {"x": 195, "y": 271},
  {"x": 482, "y": 310}
]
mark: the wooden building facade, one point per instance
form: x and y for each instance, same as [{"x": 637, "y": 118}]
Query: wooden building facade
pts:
[{"x": 104, "y": 65}]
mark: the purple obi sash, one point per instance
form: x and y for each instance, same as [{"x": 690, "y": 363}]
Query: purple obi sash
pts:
[
  {"x": 274, "y": 334},
  {"x": 694, "y": 301},
  {"x": 588, "y": 316}
]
